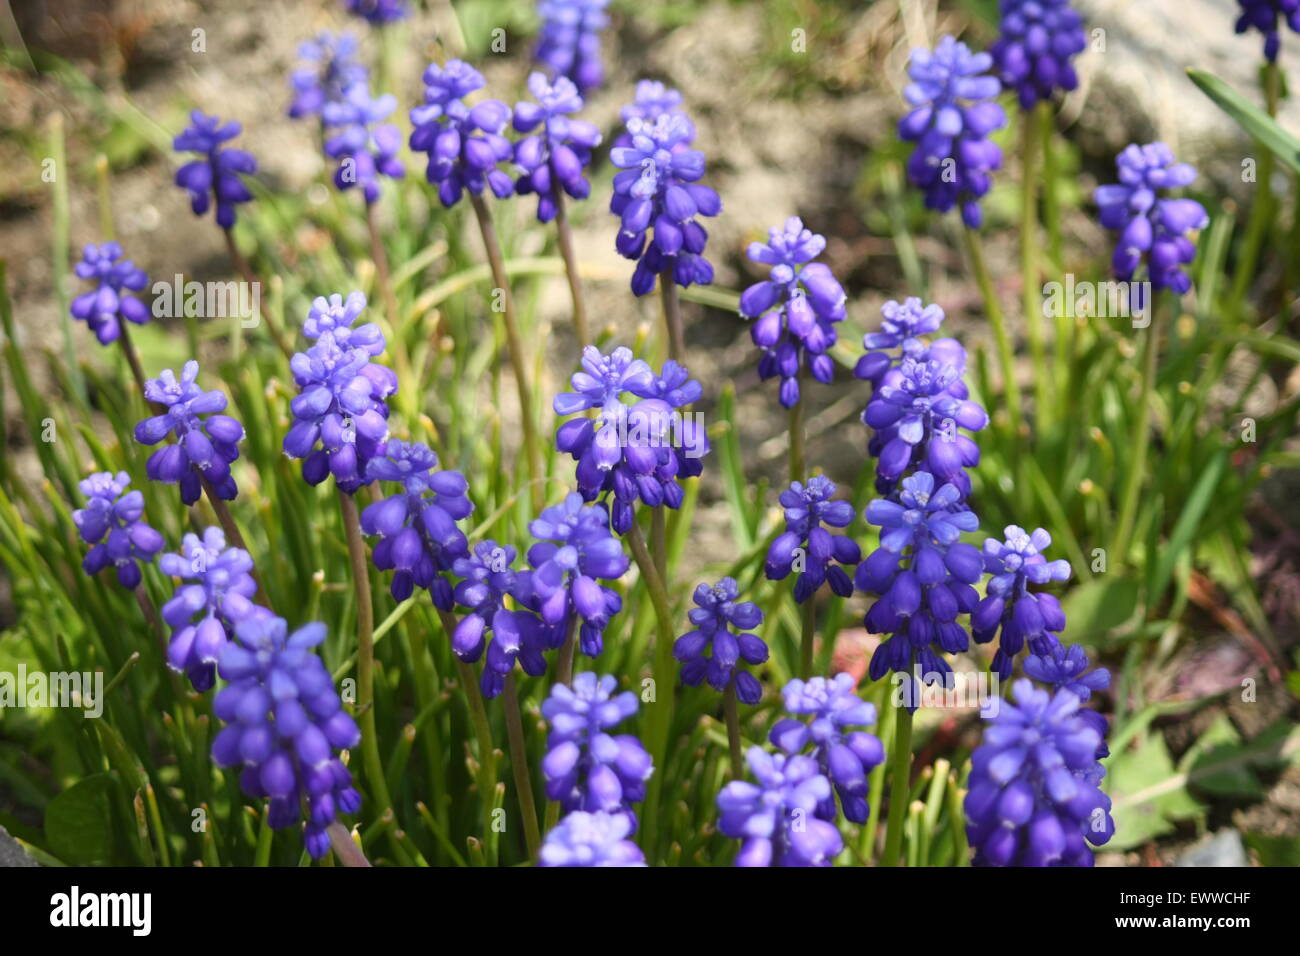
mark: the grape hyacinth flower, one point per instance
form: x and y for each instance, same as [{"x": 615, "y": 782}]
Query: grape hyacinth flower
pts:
[
  {"x": 1263, "y": 15},
  {"x": 464, "y": 143},
  {"x": 573, "y": 553},
  {"x": 104, "y": 308},
  {"x": 337, "y": 315},
  {"x": 1153, "y": 229},
  {"x": 207, "y": 441},
  {"x": 112, "y": 522},
  {"x": 954, "y": 109},
  {"x": 651, "y": 100},
  {"x": 629, "y": 451},
  {"x": 378, "y": 12},
  {"x": 586, "y": 768},
  {"x": 365, "y": 146},
  {"x": 215, "y": 177},
  {"x": 569, "y": 40},
  {"x": 923, "y": 575},
  {"x": 843, "y": 755},
  {"x": 284, "y": 724},
  {"x": 795, "y": 309},
  {"x": 218, "y": 589},
  {"x": 557, "y": 155},
  {"x": 805, "y": 546},
  {"x": 421, "y": 541},
  {"x": 1034, "y": 797},
  {"x": 775, "y": 818},
  {"x": 1065, "y": 666},
  {"x": 716, "y": 613},
  {"x": 488, "y": 579},
  {"x": 657, "y": 197},
  {"x": 901, "y": 327},
  {"x": 1010, "y": 611},
  {"x": 1033, "y": 51},
  {"x": 591, "y": 839},
  {"x": 333, "y": 71},
  {"x": 341, "y": 403}
]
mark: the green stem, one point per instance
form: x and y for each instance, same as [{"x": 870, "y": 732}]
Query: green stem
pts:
[
  {"x": 1051, "y": 199},
  {"x": 808, "y": 637},
  {"x": 250, "y": 278},
  {"x": 1006, "y": 358},
  {"x": 487, "y": 758},
  {"x": 1140, "y": 442},
  {"x": 1030, "y": 293},
  {"x": 672, "y": 315},
  {"x": 532, "y": 450},
  {"x": 565, "y": 236},
  {"x": 519, "y": 766},
  {"x": 1262, "y": 209},
  {"x": 797, "y": 442},
  {"x": 731, "y": 711},
  {"x": 900, "y": 771}
]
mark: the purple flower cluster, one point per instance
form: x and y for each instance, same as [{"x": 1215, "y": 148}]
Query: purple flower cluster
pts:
[
  {"x": 365, "y": 146},
  {"x": 795, "y": 309},
  {"x": 215, "y": 177},
  {"x": 631, "y": 451},
  {"x": 1263, "y": 15},
  {"x": 112, "y": 522},
  {"x": 464, "y": 143},
  {"x": 284, "y": 724},
  {"x": 1153, "y": 229},
  {"x": 217, "y": 589},
  {"x": 954, "y": 109},
  {"x": 420, "y": 540},
  {"x": 1065, "y": 667},
  {"x": 776, "y": 818},
  {"x": 378, "y": 12},
  {"x": 104, "y": 308},
  {"x": 585, "y": 767},
  {"x": 341, "y": 402},
  {"x": 1009, "y": 608},
  {"x": 808, "y": 548},
  {"x": 1038, "y": 39},
  {"x": 333, "y": 70},
  {"x": 569, "y": 40},
  {"x": 923, "y": 575},
  {"x": 1034, "y": 797},
  {"x": 657, "y": 197},
  {"x": 716, "y": 613},
  {"x": 844, "y": 756},
  {"x": 591, "y": 839},
  {"x": 901, "y": 326},
  {"x": 557, "y": 155},
  {"x": 206, "y": 440}
]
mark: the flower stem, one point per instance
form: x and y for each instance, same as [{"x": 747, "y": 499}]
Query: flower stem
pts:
[
  {"x": 532, "y": 450},
  {"x": 519, "y": 765},
  {"x": 133, "y": 360},
  {"x": 731, "y": 712},
  {"x": 487, "y": 757},
  {"x": 365, "y": 652},
  {"x": 250, "y": 278},
  {"x": 1064, "y": 331},
  {"x": 1005, "y": 356},
  {"x": 900, "y": 760},
  {"x": 808, "y": 637},
  {"x": 564, "y": 666},
  {"x": 383, "y": 273},
  {"x": 345, "y": 848},
  {"x": 1262, "y": 209},
  {"x": 1140, "y": 442},
  {"x": 796, "y": 442},
  {"x": 672, "y": 315},
  {"x": 660, "y": 715},
  {"x": 1030, "y": 138},
  {"x": 565, "y": 237}
]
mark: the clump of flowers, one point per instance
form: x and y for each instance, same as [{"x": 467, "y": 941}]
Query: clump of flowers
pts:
[
  {"x": 1154, "y": 230},
  {"x": 1263, "y": 15},
  {"x": 591, "y": 839},
  {"x": 105, "y": 307},
  {"x": 657, "y": 196},
  {"x": 817, "y": 554},
  {"x": 843, "y": 755},
  {"x": 716, "y": 614},
  {"x": 557, "y": 155},
  {"x": 1038, "y": 40},
  {"x": 417, "y": 524},
  {"x": 378, "y": 12},
  {"x": 795, "y": 309},
  {"x": 587, "y": 768},
  {"x": 776, "y": 818},
  {"x": 365, "y": 146},
  {"x": 112, "y": 522},
  {"x": 284, "y": 726},
  {"x": 1009, "y": 609},
  {"x": 1034, "y": 798},
  {"x": 215, "y": 177},
  {"x": 569, "y": 40},
  {"x": 954, "y": 109},
  {"x": 206, "y": 440},
  {"x": 901, "y": 326},
  {"x": 464, "y": 143},
  {"x": 217, "y": 588},
  {"x": 1065, "y": 667},
  {"x": 333, "y": 69}
]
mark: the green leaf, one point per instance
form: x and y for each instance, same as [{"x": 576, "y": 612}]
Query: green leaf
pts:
[
  {"x": 1249, "y": 117},
  {"x": 1147, "y": 794},
  {"x": 1275, "y": 850},
  {"x": 1224, "y": 776},
  {"x": 1100, "y": 605},
  {"x": 79, "y": 822}
]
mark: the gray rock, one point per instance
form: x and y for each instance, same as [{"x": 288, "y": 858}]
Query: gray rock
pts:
[
  {"x": 12, "y": 852},
  {"x": 1223, "y": 849}
]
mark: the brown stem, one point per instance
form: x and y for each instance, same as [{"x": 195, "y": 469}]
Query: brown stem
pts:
[
  {"x": 731, "y": 712},
  {"x": 381, "y": 267},
  {"x": 564, "y": 668},
  {"x": 345, "y": 848},
  {"x": 519, "y": 764},
  {"x": 672, "y": 315},
  {"x": 565, "y": 236},
  {"x": 133, "y": 360},
  {"x": 250, "y": 277},
  {"x": 150, "y": 613}
]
